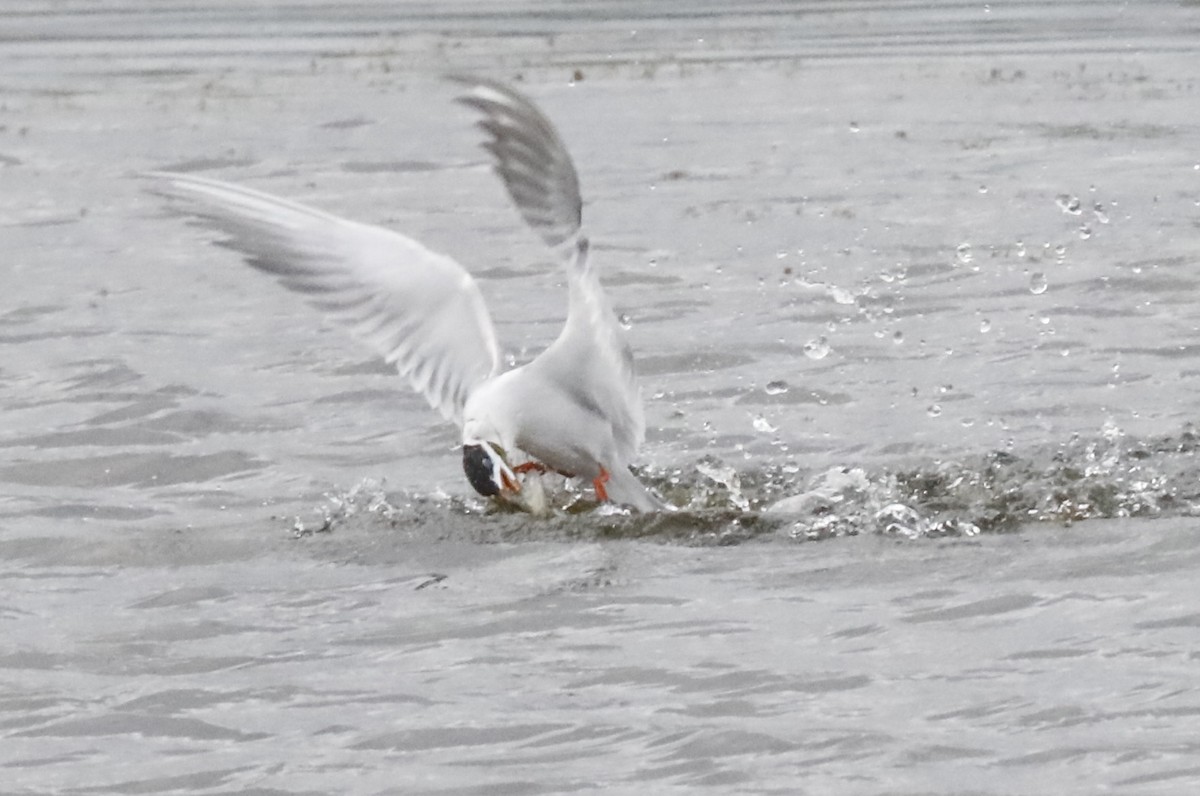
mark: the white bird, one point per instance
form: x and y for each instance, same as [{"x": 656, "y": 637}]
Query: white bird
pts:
[{"x": 576, "y": 409}]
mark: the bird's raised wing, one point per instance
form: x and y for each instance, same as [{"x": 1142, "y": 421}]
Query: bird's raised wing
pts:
[
  {"x": 591, "y": 357},
  {"x": 530, "y": 158},
  {"x": 417, "y": 309}
]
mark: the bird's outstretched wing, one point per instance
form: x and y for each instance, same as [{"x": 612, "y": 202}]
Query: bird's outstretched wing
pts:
[
  {"x": 591, "y": 357},
  {"x": 417, "y": 309}
]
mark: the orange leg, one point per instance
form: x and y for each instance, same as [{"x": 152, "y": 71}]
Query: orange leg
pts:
[{"x": 598, "y": 483}]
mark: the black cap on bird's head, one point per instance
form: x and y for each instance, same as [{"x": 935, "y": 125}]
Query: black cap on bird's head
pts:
[{"x": 487, "y": 470}]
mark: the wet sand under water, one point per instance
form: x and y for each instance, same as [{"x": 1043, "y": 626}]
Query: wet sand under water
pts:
[{"x": 915, "y": 284}]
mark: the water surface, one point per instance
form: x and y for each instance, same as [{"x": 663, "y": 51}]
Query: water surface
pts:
[{"x": 919, "y": 278}]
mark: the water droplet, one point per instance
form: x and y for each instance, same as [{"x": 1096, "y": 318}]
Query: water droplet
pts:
[
  {"x": 934, "y": 410},
  {"x": 776, "y": 387},
  {"x": 945, "y": 388},
  {"x": 1020, "y": 248},
  {"x": 985, "y": 326},
  {"x": 840, "y": 295},
  {"x": 1037, "y": 283},
  {"x": 1060, "y": 253},
  {"x": 854, "y": 127},
  {"x": 625, "y": 321},
  {"x": 653, "y": 262},
  {"x": 1069, "y": 204},
  {"x": 817, "y": 348},
  {"x": 1085, "y": 232},
  {"x": 779, "y": 255},
  {"x": 963, "y": 254},
  {"x": 762, "y": 425},
  {"x": 967, "y": 422},
  {"x": 983, "y": 189},
  {"x": 898, "y": 337},
  {"x": 1100, "y": 214}
]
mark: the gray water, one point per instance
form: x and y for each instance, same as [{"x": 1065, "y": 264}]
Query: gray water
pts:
[{"x": 912, "y": 290}]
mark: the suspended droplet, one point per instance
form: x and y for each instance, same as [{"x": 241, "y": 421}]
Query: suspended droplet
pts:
[
  {"x": 898, "y": 337},
  {"x": 1100, "y": 214},
  {"x": 854, "y": 127},
  {"x": 625, "y": 321},
  {"x": 963, "y": 254},
  {"x": 983, "y": 189},
  {"x": 817, "y": 348},
  {"x": 762, "y": 425},
  {"x": 1069, "y": 204},
  {"x": 1037, "y": 283},
  {"x": 985, "y": 326},
  {"x": 1085, "y": 232},
  {"x": 1020, "y": 248},
  {"x": 934, "y": 410},
  {"x": 776, "y": 387},
  {"x": 840, "y": 295}
]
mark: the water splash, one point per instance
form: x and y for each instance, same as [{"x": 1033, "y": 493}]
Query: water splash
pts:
[
  {"x": 1105, "y": 474},
  {"x": 1069, "y": 204},
  {"x": 963, "y": 254},
  {"x": 762, "y": 425},
  {"x": 726, "y": 479},
  {"x": 817, "y": 348}
]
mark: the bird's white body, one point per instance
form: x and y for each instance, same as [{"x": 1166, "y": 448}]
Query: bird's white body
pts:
[{"x": 575, "y": 409}]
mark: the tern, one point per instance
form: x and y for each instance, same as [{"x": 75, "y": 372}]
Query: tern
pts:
[{"x": 576, "y": 409}]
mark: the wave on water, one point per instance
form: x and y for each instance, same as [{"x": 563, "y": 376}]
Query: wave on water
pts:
[{"x": 1106, "y": 475}]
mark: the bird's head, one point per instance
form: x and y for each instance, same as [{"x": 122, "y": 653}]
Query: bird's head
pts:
[
  {"x": 488, "y": 470},
  {"x": 484, "y": 442}
]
